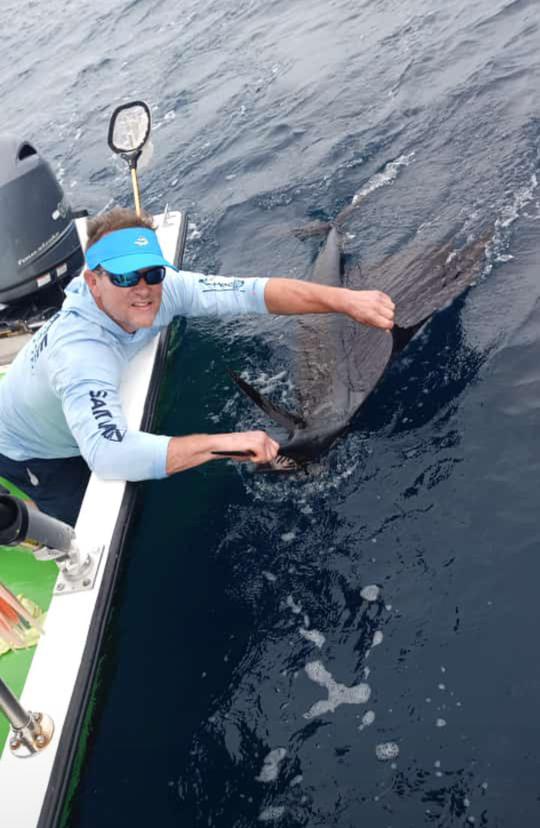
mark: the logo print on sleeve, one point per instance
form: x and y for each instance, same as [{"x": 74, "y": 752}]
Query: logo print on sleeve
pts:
[
  {"x": 213, "y": 284},
  {"x": 40, "y": 341},
  {"x": 104, "y": 417}
]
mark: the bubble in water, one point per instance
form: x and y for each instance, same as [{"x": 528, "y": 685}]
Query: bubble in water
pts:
[
  {"x": 273, "y": 812},
  {"x": 367, "y": 719},
  {"x": 270, "y": 769},
  {"x": 269, "y": 576},
  {"x": 441, "y": 723},
  {"x": 314, "y": 636},
  {"x": 377, "y": 638},
  {"x": 296, "y": 608},
  {"x": 386, "y": 750},
  {"x": 370, "y": 593},
  {"x": 337, "y": 693}
]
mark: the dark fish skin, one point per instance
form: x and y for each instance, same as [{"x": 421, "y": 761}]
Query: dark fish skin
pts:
[{"x": 337, "y": 362}]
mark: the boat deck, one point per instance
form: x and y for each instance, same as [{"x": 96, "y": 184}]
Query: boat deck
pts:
[
  {"x": 20, "y": 571},
  {"x": 10, "y": 347},
  {"x": 35, "y": 580}
]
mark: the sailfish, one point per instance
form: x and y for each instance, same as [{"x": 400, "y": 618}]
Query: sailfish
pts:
[{"x": 337, "y": 361}]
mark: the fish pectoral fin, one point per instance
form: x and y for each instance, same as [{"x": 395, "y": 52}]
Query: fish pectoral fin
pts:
[{"x": 287, "y": 419}]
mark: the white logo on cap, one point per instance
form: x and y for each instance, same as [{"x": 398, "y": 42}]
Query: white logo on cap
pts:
[{"x": 141, "y": 241}]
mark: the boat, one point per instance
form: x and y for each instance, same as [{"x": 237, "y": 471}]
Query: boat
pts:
[{"x": 67, "y": 575}]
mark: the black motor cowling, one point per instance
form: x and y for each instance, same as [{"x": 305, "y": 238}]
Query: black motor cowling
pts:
[{"x": 39, "y": 243}]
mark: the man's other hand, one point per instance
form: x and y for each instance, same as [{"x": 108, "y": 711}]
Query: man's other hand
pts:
[
  {"x": 371, "y": 307},
  {"x": 257, "y": 444}
]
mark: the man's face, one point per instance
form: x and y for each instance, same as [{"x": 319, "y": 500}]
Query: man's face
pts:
[{"x": 130, "y": 307}]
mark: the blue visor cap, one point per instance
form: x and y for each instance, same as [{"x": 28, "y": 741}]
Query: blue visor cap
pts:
[{"x": 122, "y": 251}]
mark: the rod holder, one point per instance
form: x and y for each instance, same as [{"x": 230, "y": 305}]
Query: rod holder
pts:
[
  {"x": 30, "y": 732},
  {"x": 19, "y": 523},
  {"x": 50, "y": 539}
]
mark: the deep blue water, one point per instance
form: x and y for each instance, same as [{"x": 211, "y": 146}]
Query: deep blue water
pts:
[{"x": 267, "y": 115}]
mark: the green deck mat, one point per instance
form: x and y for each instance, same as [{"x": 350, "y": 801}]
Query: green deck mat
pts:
[{"x": 22, "y": 574}]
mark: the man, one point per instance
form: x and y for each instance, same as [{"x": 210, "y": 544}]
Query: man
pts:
[{"x": 60, "y": 410}]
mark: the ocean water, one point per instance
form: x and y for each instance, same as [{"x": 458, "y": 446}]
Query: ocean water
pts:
[{"x": 358, "y": 646}]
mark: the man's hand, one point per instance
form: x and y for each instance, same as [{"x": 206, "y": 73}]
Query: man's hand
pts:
[
  {"x": 288, "y": 296},
  {"x": 187, "y": 452},
  {"x": 259, "y": 447},
  {"x": 371, "y": 307}
]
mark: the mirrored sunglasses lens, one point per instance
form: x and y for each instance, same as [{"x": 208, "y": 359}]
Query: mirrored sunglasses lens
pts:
[
  {"x": 155, "y": 275},
  {"x": 125, "y": 279}
]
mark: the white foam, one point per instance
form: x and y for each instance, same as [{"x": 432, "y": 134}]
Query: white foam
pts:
[
  {"x": 270, "y": 383},
  {"x": 270, "y": 769},
  {"x": 367, "y": 719},
  {"x": 386, "y": 750},
  {"x": 288, "y": 537},
  {"x": 314, "y": 636},
  {"x": 370, "y": 593},
  {"x": 440, "y": 723},
  {"x": 382, "y": 179},
  {"x": 269, "y": 576},
  {"x": 296, "y": 608},
  {"x": 521, "y": 198},
  {"x": 509, "y": 213},
  {"x": 296, "y": 780},
  {"x": 194, "y": 232},
  {"x": 273, "y": 812},
  {"x": 377, "y": 638},
  {"x": 337, "y": 693}
]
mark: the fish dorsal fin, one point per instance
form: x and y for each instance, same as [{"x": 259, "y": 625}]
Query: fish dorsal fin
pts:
[
  {"x": 314, "y": 228},
  {"x": 287, "y": 419}
]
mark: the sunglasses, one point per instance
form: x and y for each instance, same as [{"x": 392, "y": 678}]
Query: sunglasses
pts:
[{"x": 152, "y": 276}]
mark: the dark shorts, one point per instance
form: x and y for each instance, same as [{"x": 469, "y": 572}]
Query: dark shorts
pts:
[{"x": 57, "y": 487}]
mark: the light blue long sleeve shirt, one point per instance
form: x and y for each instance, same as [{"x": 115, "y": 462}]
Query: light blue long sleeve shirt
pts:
[{"x": 60, "y": 397}]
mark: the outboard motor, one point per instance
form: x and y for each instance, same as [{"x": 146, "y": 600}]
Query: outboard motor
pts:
[{"x": 39, "y": 243}]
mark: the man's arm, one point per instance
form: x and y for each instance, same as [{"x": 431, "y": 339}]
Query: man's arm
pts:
[
  {"x": 94, "y": 415},
  {"x": 289, "y": 296},
  {"x": 194, "y": 294},
  {"x": 187, "y": 452},
  {"x": 114, "y": 452}
]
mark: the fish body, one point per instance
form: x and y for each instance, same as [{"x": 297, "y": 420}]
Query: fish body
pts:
[{"x": 336, "y": 362}]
